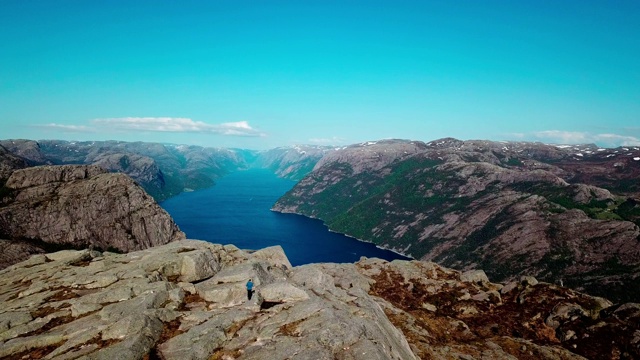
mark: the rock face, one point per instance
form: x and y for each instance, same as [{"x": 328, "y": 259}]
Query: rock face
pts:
[
  {"x": 567, "y": 214},
  {"x": 9, "y": 162},
  {"x": 76, "y": 206},
  {"x": 186, "y": 300},
  {"x": 162, "y": 170}
]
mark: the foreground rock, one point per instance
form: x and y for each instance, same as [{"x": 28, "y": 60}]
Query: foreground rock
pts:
[
  {"x": 186, "y": 300},
  {"x": 75, "y": 206}
]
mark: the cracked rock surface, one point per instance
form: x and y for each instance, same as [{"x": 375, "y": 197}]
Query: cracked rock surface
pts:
[{"x": 187, "y": 300}]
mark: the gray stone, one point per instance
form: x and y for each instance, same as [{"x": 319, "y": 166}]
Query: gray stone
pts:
[
  {"x": 242, "y": 273},
  {"x": 201, "y": 340},
  {"x": 20, "y": 344},
  {"x": 223, "y": 295},
  {"x": 198, "y": 265},
  {"x": 509, "y": 287},
  {"x": 13, "y": 318},
  {"x": 282, "y": 292},
  {"x": 528, "y": 281},
  {"x": 143, "y": 334},
  {"x": 80, "y": 308},
  {"x": 474, "y": 276},
  {"x": 273, "y": 255},
  {"x": 137, "y": 305}
]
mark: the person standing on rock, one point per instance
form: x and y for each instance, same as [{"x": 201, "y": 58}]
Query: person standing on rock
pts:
[{"x": 249, "y": 289}]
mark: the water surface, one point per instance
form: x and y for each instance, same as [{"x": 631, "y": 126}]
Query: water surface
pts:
[{"x": 237, "y": 211}]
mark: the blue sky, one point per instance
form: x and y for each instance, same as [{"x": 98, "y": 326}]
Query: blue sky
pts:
[{"x": 260, "y": 74}]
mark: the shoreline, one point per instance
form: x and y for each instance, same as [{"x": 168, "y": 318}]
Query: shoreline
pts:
[{"x": 347, "y": 235}]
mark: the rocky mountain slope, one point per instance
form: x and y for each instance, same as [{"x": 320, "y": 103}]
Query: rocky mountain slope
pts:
[
  {"x": 187, "y": 300},
  {"x": 78, "y": 206},
  {"x": 8, "y": 163},
  {"x": 292, "y": 162},
  {"x": 162, "y": 170},
  {"x": 563, "y": 214}
]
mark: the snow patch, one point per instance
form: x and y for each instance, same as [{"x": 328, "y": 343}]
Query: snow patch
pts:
[
  {"x": 579, "y": 154},
  {"x": 636, "y": 158}
]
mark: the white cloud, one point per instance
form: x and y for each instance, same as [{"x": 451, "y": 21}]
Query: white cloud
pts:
[
  {"x": 621, "y": 140},
  {"x": 170, "y": 124},
  {"x": 576, "y": 137}
]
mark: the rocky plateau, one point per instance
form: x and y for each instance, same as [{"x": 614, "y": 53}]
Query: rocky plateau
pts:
[{"x": 187, "y": 300}]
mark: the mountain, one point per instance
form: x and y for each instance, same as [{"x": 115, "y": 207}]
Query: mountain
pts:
[
  {"x": 44, "y": 208},
  {"x": 163, "y": 170},
  {"x": 187, "y": 300},
  {"x": 8, "y": 163},
  {"x": 292, "y": 162},
  {"x": 565, "y": 214}
]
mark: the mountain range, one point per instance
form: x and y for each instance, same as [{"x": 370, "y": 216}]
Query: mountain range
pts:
[{"x": 565, "y": 214}]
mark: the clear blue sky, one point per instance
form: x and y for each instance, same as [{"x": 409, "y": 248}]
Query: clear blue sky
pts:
[{"x": 260, "y": 74}]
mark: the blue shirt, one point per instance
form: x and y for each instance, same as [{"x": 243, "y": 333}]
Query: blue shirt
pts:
[{"x": 249, "y": 285}]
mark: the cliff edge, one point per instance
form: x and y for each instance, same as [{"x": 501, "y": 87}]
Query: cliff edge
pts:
[{"x": 45, "y": 208}]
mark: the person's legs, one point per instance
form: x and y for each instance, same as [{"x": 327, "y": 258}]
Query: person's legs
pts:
[{"x": 249, "y": 293}]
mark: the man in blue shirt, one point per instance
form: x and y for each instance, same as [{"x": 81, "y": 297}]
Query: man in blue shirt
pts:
[{"x": 249, "y": 289}]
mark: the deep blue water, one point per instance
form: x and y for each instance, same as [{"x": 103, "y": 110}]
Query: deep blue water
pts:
[{"x": 237, "y": 211}]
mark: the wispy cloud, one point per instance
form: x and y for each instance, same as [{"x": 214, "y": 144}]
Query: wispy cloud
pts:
[
  {"x": 171, "y": 124},
  {"x": 564, "y": 137},
  {"x": 161, "y": 124},
  {"x": 577, "y": 137},
  {"x": 622, "y": 140},
  {"x": 68, "y": 128},
  {"x": 327, "y": 141}
]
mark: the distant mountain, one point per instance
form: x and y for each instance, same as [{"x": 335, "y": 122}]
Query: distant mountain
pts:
[
  {"x": 8, "y": 163},
  {"x": 162, "y": 170},
  {"x": 293, "y": 162},
  {"x": 562, "y": 213}
]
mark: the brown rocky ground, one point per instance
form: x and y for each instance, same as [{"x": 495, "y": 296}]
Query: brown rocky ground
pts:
[{"x": 187, "y": 300}]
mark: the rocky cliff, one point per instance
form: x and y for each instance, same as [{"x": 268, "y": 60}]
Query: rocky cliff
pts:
[
  {"x": 77, "y": 206},
  {"x": 187, "y": 300},
  {"x": 9, "y": 162},
  {"x": 563, "y": 214},
  {"x": 162, "y": 170}
]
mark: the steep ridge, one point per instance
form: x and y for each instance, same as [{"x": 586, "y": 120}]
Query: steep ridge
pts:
[
  {"x": 563, "y": 214},
  {"x": 187, "y": 300},
  {"x": 163, "y": 170},
  {"x": 78, "y": 206}
]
